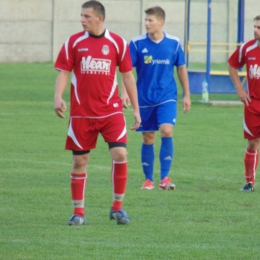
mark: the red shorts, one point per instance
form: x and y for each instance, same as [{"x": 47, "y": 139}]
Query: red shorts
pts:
[
  {"x": 83, "y": 132},
  {"x": 252, "y": 119}
]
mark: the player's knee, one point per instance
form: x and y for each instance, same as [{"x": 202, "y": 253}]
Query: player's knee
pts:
[
  {"x": 253, "y": 144},
  {"x": 80, "y": 161},
  {"x": 166, "y": 131},
  {"x": 148, "y": 137},
  {"x": 118, "y": 154},
  {"x": 120, "y": 157}
]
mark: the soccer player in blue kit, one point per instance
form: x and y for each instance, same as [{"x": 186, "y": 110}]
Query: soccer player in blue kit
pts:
[{"x": 154, "y": 55}]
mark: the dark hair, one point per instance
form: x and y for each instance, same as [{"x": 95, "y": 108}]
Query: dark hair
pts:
[
  {"x": 96, "y": 5},
  {"x": 257, "y": 18},
  {"x": 157, "y": 11}
]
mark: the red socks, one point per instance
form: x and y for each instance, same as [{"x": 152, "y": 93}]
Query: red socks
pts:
[
  {"x": 251, "y": 163},
  {"x": 119, "y": 178},
  {"x": 77, "y": 185}
]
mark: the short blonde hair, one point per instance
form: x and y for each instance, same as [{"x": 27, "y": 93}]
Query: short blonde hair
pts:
[
  {"x": 257, "y": 18},
  {"x": 97, "y": 7},
  {"x": 157, "y": 11}
]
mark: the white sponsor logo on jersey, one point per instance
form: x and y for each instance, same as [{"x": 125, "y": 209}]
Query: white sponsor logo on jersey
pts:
[
  {"x": 161, "y": 61},
  {"x": 254, "y": 71},
  {"x": 82, "y": 49},
  {"x": 95, "y": 65},
  {"x": 149, "y": 59},
  {"x": 105, "y": 50},
  {"x": 144, "y": 50}
]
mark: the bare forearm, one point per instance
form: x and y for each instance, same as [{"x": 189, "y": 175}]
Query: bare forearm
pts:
[
  {"x": 61, "y": 83},
  {"x": 60, "y": 86},
  {"x": 130, "y": 88},
  {"x": 123, "y": 89},
  {"x": 235, "y": 78},
  {"x": 183, "y": 78},
  {"x": 241, "y": 92}
]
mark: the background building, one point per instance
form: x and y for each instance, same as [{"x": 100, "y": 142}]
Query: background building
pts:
[{"x": 34, "y": 30}]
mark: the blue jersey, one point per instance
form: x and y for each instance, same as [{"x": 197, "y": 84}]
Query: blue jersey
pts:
[{"x": 154, "y": 63}]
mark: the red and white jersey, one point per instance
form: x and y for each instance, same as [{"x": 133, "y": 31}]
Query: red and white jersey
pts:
[
  {"x": 249, "y": 54},
  {"x": 94, "y": 61}
]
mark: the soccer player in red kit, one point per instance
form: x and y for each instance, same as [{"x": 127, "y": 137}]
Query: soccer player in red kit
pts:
[
  {"x": 93, "y": 56},
  {"x": 249, "y": 54}
]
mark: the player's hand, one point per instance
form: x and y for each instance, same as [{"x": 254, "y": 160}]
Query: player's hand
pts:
[
  {"x": 137, "y": 121},
  {"x": 60, "y": 107},
  {"x": 125, "y": 100},
  {"x": 186, "y": 104},
  {"x": 243, "y": 96}
]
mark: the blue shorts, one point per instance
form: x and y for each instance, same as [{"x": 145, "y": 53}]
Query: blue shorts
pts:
[{"x": 153, "y": 117}]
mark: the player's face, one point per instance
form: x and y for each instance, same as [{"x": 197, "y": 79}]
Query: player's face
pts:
[
  {"x": 153, "y": 24},
  {"x": 257, "y": 30},
  {"x": 90, "y": 20}
]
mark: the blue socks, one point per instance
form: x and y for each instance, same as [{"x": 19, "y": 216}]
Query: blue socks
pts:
[
  {"x": 166, "y": 156},
  {"x": 147, "y": 158}
]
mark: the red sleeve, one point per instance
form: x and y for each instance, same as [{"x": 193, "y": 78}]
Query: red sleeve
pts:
[
  {"x": 126, "y": 63},
  {"x": 237, "y": 59},
  {"x": 65, "y": 59}
]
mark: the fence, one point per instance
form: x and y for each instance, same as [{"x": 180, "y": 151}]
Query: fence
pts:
[{"x": 34, "y": 30}]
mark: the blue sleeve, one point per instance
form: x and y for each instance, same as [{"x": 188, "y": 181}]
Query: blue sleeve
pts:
[
  {"x": 179, "y": 57},
  {"x": 133, "y": 52}
]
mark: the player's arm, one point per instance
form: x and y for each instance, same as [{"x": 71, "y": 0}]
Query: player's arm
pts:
[
  {"x": 128, "y": 80},
  {"x": 184, "y": 80},
  {"x": 124, "y": 96},
  {"x": 241, "y": 92},
  {"x": 61, "y": 84}
]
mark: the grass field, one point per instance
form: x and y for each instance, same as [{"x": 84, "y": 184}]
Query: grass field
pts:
[{"x": 207, "y": 217}]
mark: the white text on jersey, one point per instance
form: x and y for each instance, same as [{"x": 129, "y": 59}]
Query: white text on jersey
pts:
[
  {"x": 82, "y": 49},
  {"x": 149, "y": 59},
  {"x": 254, "y": 71},
  {"x": 161, "y": 61},
  {"x": 94, "y": 65}
]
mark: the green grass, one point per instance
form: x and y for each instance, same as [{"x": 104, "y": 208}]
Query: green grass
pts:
[{"x": 207, "y": 217}]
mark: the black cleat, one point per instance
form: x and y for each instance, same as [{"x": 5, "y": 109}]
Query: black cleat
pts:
[{"x": 248, "y": 187}]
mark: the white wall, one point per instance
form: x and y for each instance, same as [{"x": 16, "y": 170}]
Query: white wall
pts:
[{"x": 34, "y": 30}]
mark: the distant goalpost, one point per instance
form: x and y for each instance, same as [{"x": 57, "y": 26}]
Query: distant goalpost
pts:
[{"x": 216, "y": 46}]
